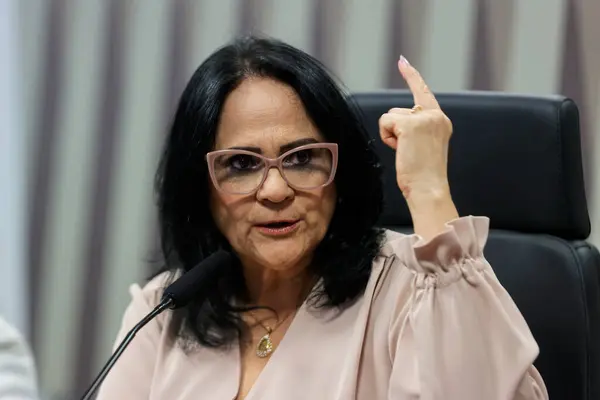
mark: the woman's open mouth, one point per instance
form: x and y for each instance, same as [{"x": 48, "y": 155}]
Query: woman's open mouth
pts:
[{"x": 278, "y": 228}]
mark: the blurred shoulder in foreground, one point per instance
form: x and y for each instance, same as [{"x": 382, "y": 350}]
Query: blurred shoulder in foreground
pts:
[{"x": 17, "y": 368}]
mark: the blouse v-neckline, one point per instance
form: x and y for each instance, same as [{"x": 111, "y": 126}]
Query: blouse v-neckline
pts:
[{"x": 273, "y": 358}]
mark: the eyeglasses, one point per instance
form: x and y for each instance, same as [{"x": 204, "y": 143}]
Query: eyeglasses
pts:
[{"x": 304, "y": 168}]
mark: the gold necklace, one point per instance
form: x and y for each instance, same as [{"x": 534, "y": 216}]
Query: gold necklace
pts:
[{"x": 265, "y": 345}]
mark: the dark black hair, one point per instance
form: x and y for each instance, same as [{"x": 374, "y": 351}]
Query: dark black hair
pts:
[{"x": 188, "y": 233}]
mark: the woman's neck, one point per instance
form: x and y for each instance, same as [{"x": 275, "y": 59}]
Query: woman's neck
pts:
[{"x": 281, "y": 291}]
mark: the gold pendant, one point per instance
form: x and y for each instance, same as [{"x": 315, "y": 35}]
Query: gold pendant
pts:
[{"x": 265, "y": 346}]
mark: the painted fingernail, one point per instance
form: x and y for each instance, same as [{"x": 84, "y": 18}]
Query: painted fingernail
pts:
[{"x": 403, "y": 60}]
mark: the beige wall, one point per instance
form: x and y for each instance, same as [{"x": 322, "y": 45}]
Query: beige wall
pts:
[{"x": 101, "y": 78}]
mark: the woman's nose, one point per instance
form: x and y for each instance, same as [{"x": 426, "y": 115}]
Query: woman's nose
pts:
[{"x": 274, "y": 188}]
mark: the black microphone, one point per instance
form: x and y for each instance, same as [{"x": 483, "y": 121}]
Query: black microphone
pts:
[{"x": 176, "y": 295}]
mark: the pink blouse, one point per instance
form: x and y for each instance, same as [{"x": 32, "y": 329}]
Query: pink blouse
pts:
[{"x": 434, "y": 323}]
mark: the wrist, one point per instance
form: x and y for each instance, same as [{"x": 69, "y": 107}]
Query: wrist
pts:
[
  {"x": 428, "y": 196},
  {"x": 431, "y": 209}
]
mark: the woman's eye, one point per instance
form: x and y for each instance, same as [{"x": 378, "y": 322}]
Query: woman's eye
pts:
[
  {"x": 243, "y": 161},
  {"x": 299, "y": 158}
]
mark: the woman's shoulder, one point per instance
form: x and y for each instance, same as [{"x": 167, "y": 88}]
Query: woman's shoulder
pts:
[
  {"x": 385, "y": 259},
  {"x": 151, "y": 291},
  {"x": 392, "y": 241},
  {"x": 145, "y": 297}
]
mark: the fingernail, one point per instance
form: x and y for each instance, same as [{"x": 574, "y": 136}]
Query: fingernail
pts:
[{"x": 403, "y": 60}]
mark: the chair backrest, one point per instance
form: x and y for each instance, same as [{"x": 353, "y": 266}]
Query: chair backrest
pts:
[{"x": 517, "y": 160}]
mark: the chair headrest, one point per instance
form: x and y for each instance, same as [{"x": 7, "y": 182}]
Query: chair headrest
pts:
[{"x": 513, "y": 158}]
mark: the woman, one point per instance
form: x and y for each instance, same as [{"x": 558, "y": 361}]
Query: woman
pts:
[{"x": 267, "y": 158}]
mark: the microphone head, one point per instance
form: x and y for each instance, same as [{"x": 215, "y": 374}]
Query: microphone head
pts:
[{"x": 197, "y": 279}]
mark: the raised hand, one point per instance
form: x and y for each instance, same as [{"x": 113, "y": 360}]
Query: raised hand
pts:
[{"x": 420, "y": 137}]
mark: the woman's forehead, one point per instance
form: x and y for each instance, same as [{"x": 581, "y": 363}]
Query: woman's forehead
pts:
[{"x": 263, "y": 113}]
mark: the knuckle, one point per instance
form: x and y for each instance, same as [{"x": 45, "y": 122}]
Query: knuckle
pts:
[
  {"x": 448, "y": 122},
  {"x": 386, "y": 121},
  {"x": 396, "y": 110},
  {"x": 438, "y": 117},
  {"x": 431, "y": 117}
]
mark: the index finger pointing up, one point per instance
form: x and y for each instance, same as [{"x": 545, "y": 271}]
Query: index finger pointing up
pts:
[{"x": 421, "y": 93}]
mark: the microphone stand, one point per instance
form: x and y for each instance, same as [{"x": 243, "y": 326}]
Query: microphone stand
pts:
[{"x": 165, "y": 303}]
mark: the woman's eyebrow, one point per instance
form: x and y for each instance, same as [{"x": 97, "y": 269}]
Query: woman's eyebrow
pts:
[
  {"x": 282, "y": 149},
  {"x": 296, "y": 143},
  {"x": 247, "y": 148}
]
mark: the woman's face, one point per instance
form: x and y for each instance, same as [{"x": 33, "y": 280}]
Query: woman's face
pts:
[{"x": 268, "y": 116}]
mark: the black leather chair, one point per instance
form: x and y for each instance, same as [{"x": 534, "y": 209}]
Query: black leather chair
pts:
[{"x": 517, "y": 160}]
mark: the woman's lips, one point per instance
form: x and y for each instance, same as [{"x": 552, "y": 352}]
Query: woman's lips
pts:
[{"x": 281, "y": 228}]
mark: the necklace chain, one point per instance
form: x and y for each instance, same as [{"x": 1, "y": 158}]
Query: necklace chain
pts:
[
  {"x": 265, "y": 345},
  {"x": 277, "y": 324}
]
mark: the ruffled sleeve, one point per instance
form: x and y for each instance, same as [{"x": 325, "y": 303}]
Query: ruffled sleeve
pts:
[{"x": 458, "y": 335}]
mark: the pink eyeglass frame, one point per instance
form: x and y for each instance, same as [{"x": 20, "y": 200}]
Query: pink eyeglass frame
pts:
[{"x": 273, "y": 163}]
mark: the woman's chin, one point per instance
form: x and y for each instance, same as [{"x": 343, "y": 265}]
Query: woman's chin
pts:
[{"x": 281, "y": 256}]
